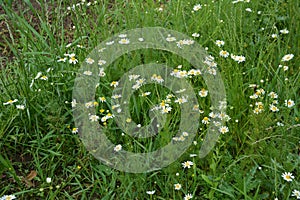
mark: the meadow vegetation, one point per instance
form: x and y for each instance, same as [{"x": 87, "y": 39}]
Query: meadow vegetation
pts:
[{"x": 254, "y": 45}]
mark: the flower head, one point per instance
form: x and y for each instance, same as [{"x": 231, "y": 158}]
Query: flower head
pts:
[
  {"x": 118, "y": 148},
  {"x": 150, "y": 192},
  {"x": 74, "y": 130},
  {"x": 287, "y": 57},
  {"x": 62, "y": 59},
  {"x": 87, "y": 73},
  {"x": 89, "y": 61},
  {"x": 219, "y": 43},
  {"x": 203, "y": 92},
  {"x": 20, "y": 107},
  {"x": 273, "y": 108},
  {"x": 170, "y": 38},
  {"x": 8, "y": 197},
  {"x": 224, "y": 129},
  {"x": 205, "y": 120},
  {"x": 188, "y": 196},
  {"x": 122, "y": 35},
  {"x": 94, "y": 118},
  {"x": 101, "y": 72},
  {"x": 116, "y": 96},
  {"x": 289, "y": 103},
  {"x": 287, "y": 176},
  {"x": 102, "y": 99},
  {"x": 273, "y": 95},
  {"x": 72, "y": 59},
  {"x": 181, "y": 100},
  {"x": 110, "y": 43},
  {"x": 44, "y": 78},
  {"x": 196, "y": 35},
  {"x": 144, "y": 94},
  {"x": 48, "y": 180},
  {"x": 114, "y": 84},
  {"x": 284, "y": 31},
  {"x": 238, "y": 58},
  {"x": 73, "y": 103},
  {"x": 296, "y": 193},
  {"x": 274, "y": 35},
  {"x": 197, "y": 7},
  {"x": 224, "y": 54},
  {"x": 187, "y": 164},
  {"x": 10, "y": 102},
  {"x": 124, "y": 41},
  {"x": 248, "y": 10},
  {"x": 101, "y": 62},
  {"x": 177, "y": 186}
]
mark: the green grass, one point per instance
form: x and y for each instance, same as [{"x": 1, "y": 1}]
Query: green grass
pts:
[{"x": 246, "y": 163}]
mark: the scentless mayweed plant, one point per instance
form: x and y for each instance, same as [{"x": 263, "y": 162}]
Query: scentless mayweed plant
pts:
[{"x": 249, "y": 48}]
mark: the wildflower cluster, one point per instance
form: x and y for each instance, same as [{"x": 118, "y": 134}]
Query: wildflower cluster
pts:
[
  {"x": 272, "y": 101},
  {"x": 11, "y": 102},
  {"x": 41, "y": 76},
  {"x": 178, "y": 73},
  {"x": 70, "y": 57},
  {"x": 217, "y": 119},
  {"x": 180, "y": 43},
  {"x": 282, "y": 32},
  {"x": 285, "y": 59},
  {"x": 181, "y": 137},
  {"x": 225, "y": 54},
  {"x": 288, "y": 176},
  {"x": 104, "y": 114},
  {"x": 79, "y": 6}
]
